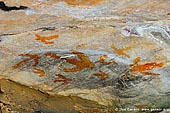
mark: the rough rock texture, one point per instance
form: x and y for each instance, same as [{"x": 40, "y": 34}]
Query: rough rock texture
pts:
[{"x": 111, "y": 55}]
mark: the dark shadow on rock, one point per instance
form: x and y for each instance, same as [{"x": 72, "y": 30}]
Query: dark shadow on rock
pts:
[{"x": 8, "y": 8}]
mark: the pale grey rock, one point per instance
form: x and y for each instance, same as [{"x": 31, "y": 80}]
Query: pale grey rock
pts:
[{"x": 91, "y": 30}]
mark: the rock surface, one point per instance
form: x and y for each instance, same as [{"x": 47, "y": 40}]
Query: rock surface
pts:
[{"x": 114, "y": 53}]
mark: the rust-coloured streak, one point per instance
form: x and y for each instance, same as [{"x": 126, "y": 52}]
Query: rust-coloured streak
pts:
[
  {"x": 40, "y": 72},
  {"x": 102, "y": 60},
  {"x": 83, "y": 2},
  {"x": 52, "y": 55},
  {"x": 63, "y": 79},
  {"x": 101, "y": 74},
  {"x": 142, "y": 68},
  {"x": 46, "y": 39},
  {"x": 33, "y": 57},
  {"x": 82, "y": 63},
  {"x": 121, "y": 51}
]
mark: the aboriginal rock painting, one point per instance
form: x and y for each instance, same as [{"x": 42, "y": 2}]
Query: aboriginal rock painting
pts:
[
  {"x": 46, "y": 39},
  {"x": 77, "y": 67}
]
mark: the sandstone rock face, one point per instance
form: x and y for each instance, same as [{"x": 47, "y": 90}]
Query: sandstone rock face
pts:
[{"x": 114, "y": 53}]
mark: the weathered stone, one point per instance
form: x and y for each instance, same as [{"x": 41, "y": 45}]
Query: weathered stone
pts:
[{"x": 39, "y": 48}]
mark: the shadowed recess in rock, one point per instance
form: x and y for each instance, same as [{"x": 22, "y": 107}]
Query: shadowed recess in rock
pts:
[
  {"x": 8, "y": 8},
  {"x": 27, "y": 100}
]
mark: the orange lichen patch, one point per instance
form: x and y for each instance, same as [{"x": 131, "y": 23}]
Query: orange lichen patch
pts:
[
  {"x": 33, "y": 57},
  {"x": 82, "y": 63},
  {"x": 40, "y": 72},
  {"x": 83, "y": 2},
  {"x": 102, "y": 60},
  {"x": 121, "y": 51},
  {"x": 45, "y": 39},
  {"x": 52, "y": 55},
  {"x": 101, "y": 74},
  {"x": 63, "y": 79},
  {"x": 141, "y": 68}
]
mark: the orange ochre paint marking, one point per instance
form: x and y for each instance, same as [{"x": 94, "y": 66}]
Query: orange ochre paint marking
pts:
[
  {"x": 52, "y": 55},
  {"x": 40, "y": 72},
  {"x": 82, "y": 63},
  {"x": 33, "y": 57},
  {"x": 45, "y": 39},
  {"x": 63, "y": 79},
  {"x": 121, "y": 51},
  {"x": 101, "y": 74},
  {"x": 102, "y": 60},
  {"x": 81, "y": 46},
  {"x": 141, "y": 68},
  {"x": 83, "y": 2}
]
